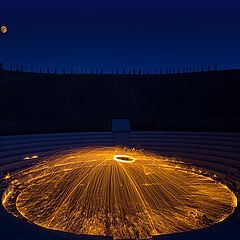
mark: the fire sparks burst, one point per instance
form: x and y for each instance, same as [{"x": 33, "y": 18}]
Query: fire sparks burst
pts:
[{"x": 97, "y": 191}]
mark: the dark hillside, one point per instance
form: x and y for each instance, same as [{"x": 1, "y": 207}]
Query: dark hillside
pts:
[{"x": 31, "y": 103}]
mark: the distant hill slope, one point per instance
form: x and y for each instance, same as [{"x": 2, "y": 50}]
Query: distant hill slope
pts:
[{"x": 32, "y": 103}]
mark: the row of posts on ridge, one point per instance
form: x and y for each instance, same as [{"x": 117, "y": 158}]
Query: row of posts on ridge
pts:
[{"x": 20, "y": 68}]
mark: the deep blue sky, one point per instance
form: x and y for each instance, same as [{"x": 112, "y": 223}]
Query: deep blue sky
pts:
[{"x": 120, "y": 33}]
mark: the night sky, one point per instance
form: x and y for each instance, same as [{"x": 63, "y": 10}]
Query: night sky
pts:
[{"x": 120, "y": 33}]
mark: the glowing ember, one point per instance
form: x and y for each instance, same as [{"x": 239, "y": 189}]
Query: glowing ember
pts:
[
  {"x": 7, "y": 176},
  {"x": 87, "y": 192}
]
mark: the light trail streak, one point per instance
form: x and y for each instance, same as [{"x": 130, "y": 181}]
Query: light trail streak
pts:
[
  {"x": 31, "y": 157},
  {"x": 117, "y": 192}
]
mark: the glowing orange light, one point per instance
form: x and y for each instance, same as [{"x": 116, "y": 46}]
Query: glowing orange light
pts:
[
  {"x": 7, "y": 176},
  {"x": 124, "y": 158},
  {"x": 96, "y": 191}
]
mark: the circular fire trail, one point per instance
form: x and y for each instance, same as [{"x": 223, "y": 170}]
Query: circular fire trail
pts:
[
  {"x": 124, "y": 158},
  {"x": 117, "y": 192}
]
